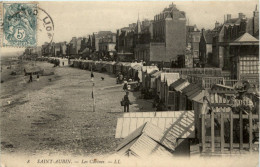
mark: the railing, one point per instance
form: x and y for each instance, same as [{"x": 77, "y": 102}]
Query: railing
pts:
[
  {"x": 254, "y": 82},
  {"x": 223, "y": 118},
  {"x": 230, "y": 82},
  {"x": 191, "y": 71},
  {"x": 205, "y": 81}
]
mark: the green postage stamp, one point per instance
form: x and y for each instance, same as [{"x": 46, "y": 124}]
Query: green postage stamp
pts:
[{"x": 19, "y": 24}]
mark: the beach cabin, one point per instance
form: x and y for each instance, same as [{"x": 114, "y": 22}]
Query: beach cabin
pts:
[
  {"x": 175, "y": 94},
  {"x": 169, "y": 79},
  {"x": 110, "y": 67},
  {"x": 168, "y": 129},
  {"x": 76, "y": 63},
  {"x": 162, "y": 83},
  {"x": 146, "y": 70},
  {"x": 92, "y": 66},
  {"x": 183, "y": 96},
  {"x": 98, "y": 66},
  {"x": 118, "y": 67},
  {"x": 103, "y": 66},
  {"x": 154, "y": 78},
  {"x": 136, "y": 71}
]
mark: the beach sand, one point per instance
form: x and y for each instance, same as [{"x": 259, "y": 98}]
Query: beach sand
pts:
[{"x": 55, "y": 114}]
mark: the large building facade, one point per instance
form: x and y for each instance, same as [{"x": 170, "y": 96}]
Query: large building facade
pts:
[{"x": 165, "y": 37}]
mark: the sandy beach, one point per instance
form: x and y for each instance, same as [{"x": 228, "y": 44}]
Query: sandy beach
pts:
[{"x": 55, "y": 114}]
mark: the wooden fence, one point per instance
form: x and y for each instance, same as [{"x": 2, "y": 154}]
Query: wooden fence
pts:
[{"x": 224, "y": 120}]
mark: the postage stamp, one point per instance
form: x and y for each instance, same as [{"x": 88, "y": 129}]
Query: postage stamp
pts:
[{"x": 19, "y": 24}]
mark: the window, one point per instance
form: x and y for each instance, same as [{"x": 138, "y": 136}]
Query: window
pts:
[{"x": 249, "y": 65}]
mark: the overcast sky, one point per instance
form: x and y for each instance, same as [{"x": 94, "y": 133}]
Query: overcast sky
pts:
[{"x": 83, "y": 18}]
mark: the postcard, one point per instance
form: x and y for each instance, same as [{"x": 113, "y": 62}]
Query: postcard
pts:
[{"x": 129, "y": 83}]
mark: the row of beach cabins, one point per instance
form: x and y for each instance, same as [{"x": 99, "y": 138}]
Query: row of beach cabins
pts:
[{"x": 184, "y": 89}]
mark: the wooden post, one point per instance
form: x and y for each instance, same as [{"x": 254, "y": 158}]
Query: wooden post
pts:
[
  {"x": 203, "y": 132},
  {"x": 94, "y": 107},
  {"x": 212, "y": 132},
  {"x": 241, "y": 130},
  {"x": 222, "y": 131},
  {"x": 231, "y": 131},
  {"x": 250, "y": 131}
]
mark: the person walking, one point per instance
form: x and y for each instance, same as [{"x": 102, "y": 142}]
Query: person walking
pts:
[{"x": 126, "y": 102}]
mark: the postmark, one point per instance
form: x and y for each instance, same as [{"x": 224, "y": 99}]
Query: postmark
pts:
[
  {"x": 20, "y": 24},
  {"x": 45, "y": 27}
]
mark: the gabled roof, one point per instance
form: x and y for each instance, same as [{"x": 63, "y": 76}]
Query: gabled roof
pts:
[
  {"x": 196, "y": 94},
  {"x": 169, "y": 79},
  {"x": 132, "y": 121},
  {"x": 194, "y": 90},
  {"x": 190, "y": 87},
  {"x": 177, "y": 83},
  {"x": 152, "y": 72},
  {"x": 233, "y": 21},
  {"x": 181, "y": 86},
  {"x": 147, "y": 128},
  {"x": 153, "y": 133},
  {"x": 156, "y": 74},
  {"x": 135, "y": 64},
  {"x": 246, "y": 37},
  {"x": 149, "y": 69},
  {"x": 137, "y": 67},
  {"x": 208, "y": 35},
  {"x": 199, "y": 97},
  {"x": 86, "y": 50},
  {"x": 144, "y": 143},
  {"x": 173, "y": 75}
]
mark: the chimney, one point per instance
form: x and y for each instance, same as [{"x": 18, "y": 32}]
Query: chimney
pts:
[
  {"x": 216, "y": 24},
  {"x": 256, "y": 12},
  {"x": 202, "y": 31},
  {"x": 228, "y": 17},
  {"x": 241, "y": 15}
]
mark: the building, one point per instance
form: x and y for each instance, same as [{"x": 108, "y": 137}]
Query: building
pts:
[
  {"x": 228, "y": 32},
  {"x": 33, "y": 51},
  {"x": 96, "y": 37},
  {"x": 192, "y": 41},
  {"x": 46, "y": 49},
  {"x": 73, "y": 46},
  {"x": 63, "y": 48},
  {"x": 107, "y": 46},
  {"x": 244, "y": 56},
  {"x": 205, "y": 45},
  {"x": 57, "y": 50},
  {"x": 78, "y": 45},
  {"x": 125, "y": 43},
  {"x": 164, "y": 39}
]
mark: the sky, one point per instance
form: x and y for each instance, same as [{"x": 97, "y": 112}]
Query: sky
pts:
[{"x": 83, "y": 18}]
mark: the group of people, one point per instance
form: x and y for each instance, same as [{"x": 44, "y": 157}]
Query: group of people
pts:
[{"x": 31, "y": 77}]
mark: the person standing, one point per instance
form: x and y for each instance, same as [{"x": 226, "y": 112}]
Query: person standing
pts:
[
  {"x": 92, "y": 76},
  {"x": 31, "y": 78},
  {"x": 126, "y": 102},
  {"x": 125, "y": 86}
]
